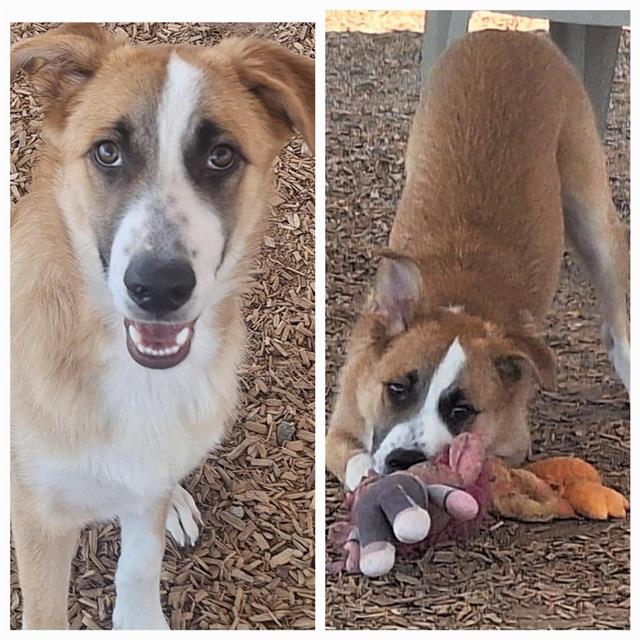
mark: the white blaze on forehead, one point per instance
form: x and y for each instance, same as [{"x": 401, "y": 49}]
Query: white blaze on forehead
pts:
[
  {"x": 197, "y": 225},
  {"x": 446, "y": 373},
  {"x": 178, "y": 103},
  {"x": 426, "y": 431}
]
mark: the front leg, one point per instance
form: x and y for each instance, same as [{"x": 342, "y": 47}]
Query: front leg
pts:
[
  {"x": 347, "y": 454},
  {"x": 347, "y": 458},
  {"x": 138, "y": 574},
  {"x": 44, "y": 551}
]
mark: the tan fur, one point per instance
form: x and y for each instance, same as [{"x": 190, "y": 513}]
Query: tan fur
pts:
[
  {"x": 502, "y": 142},
  {"x": 59, "y": 339}
]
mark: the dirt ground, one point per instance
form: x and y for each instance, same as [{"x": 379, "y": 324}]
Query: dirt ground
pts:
[
  {"x": 253, "y": 566},
  {"x": 568, "y": 575}
]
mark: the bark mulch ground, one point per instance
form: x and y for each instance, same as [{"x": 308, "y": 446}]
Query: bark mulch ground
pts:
[
  {"x": 571, "y": 574},
  {"x": 253, "y": 564}
]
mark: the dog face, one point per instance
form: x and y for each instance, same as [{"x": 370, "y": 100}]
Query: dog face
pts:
[
  {"x": 430, "y": 374},
  {"x": 165, "y": 161}
]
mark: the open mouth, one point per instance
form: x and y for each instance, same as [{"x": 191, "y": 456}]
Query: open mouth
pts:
[{"x": 158, "y": 345}]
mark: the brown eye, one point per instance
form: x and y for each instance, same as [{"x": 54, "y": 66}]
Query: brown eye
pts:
[
  {"x": 221, "y": 157},
  {"x": 108, "y": 154},
  {"x": 461, "y": 413},
  {"x": 399, "y": 390},
  {"x": 456, "y": 411}
]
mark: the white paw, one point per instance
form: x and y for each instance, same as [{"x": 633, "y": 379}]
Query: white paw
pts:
[
  {"x": 183, "y": 519},
  {"x": 619, "y": 355},
  {"x": 132, "y": 615},
  {"x": 621, "y": 359},
  {"x": 357, "y": 468}
]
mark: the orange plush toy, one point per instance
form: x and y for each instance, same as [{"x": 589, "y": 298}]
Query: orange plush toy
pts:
[{"x": 560, "y": 487}]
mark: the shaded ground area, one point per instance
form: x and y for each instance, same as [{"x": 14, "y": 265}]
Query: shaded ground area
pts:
[
  {"x": 253, "y": 564},
  {"x": 573, "y": 574}
]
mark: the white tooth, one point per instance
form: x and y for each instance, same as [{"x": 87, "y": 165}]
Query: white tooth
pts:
[
  {"x": 135, "y": 334},
  {"x": 182, "y": 337}
]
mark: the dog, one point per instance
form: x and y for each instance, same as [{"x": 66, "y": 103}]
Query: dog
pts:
[
  {"x": 128, "y": 257},
  {"x": 503, "y": 162}
]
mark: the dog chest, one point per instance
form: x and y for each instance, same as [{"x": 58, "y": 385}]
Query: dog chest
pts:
[{"x": 157, "y": 426}]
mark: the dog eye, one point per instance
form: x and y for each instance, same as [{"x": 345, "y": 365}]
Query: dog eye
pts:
[
  {"x": 461, "y": 413},
  {"x": 221, "y": 157},
  {"x": 108, "y": 154},
  {"x": 456, "y": 411},
  {"x": 399, "y": 390}
]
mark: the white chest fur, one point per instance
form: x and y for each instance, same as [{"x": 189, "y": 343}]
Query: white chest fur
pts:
[{"x": 157, "y": 425}]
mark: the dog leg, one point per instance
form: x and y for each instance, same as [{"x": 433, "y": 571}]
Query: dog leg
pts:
[
  {"x": 595, "y": 231},
  {"x": 347, "y": 443},
  {"x": 183, "y": 518},
  {"x": 346, "y": 456},
  {"x": 44, "y": 554},
  {"x": 597, "y": 238},
  {"x": 138, "y": 574}
]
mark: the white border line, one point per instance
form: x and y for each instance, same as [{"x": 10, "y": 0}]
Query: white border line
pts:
[{"x": 320, "y": 325}]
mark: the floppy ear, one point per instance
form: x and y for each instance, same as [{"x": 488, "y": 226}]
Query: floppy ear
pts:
[
  {"x": 520, "y": 350},
  {"x": 60, "y": 61},
  {"x": 282, "y": 80},
  {"x": 396, "y": 293}
]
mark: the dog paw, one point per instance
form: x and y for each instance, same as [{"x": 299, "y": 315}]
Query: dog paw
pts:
[
  {"x": 357, "y": 468},
  {"x": 129, "y": 614},
  {"x": 183, "y": 519}
]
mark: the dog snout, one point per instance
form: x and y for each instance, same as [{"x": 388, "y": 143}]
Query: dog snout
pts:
[
  {"x": 158, "y": 285},
  {"x": 400, "y": 459}
]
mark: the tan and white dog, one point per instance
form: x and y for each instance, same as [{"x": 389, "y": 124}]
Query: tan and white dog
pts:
[
  {"x": 128, "y": 256},
  {"x": 503, "y": 161}
]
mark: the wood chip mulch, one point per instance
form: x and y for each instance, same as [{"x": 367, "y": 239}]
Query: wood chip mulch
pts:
[
  {"x": 253, "y": 566},
  {"x": 572, "y": 574}
]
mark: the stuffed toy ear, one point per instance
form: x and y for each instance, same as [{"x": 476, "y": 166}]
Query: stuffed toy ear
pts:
[
  {"x": 282, "y": 80},
  {"x": 60, "y": 61},
  {"x": 397, "y": 292},
  {"x": 520, "y": 350}
]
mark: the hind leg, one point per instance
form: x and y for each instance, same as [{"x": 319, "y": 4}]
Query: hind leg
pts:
[
  {"x": 594, "y": 229},
  {"x": 183, "y": 518},
  {"x": 599, "y": 241}
]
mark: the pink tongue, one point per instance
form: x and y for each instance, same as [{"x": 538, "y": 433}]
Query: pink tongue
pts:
[{"x": 156, "y": 333}]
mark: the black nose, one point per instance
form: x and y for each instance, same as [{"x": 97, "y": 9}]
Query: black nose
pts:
[
  {"x": 400, "y": 459},
  {"x": 158, "y": 285}
]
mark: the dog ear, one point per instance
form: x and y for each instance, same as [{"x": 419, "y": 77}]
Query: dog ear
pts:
[
  {"x": 283, "y": 81},
  {"x": 60, "y": 61},
  {"x": 520, "y": 350},
  {"x": 396, "y": 293}
]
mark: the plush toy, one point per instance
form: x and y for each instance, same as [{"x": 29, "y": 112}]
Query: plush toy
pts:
[
  {"x": 432, "y": 501},
  {"x": 447, "y": 498},
  {"x": 561, "y": 487}
]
